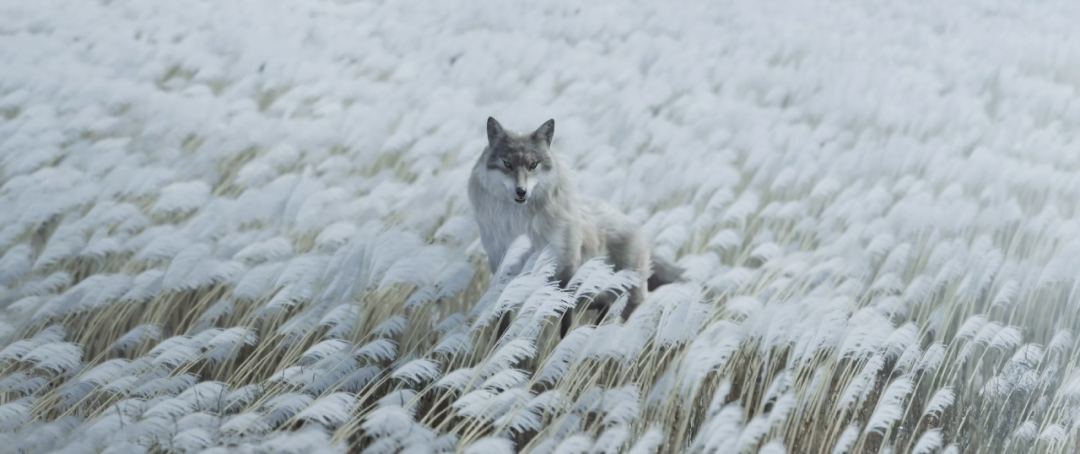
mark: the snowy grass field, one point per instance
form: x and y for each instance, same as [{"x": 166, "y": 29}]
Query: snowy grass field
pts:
[{"x": 242, "y": 227}]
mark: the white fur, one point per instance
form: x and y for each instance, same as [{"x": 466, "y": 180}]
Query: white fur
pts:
[{"x": 577, "y": 228}]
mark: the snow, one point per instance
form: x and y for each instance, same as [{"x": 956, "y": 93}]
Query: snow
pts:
[{"x": 848, "y": 183}]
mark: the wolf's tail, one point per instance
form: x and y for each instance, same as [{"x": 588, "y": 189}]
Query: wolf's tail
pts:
[{"x": 663, "y": 272}]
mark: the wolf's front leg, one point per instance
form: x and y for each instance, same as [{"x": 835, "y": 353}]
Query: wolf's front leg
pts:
[
  {"x": 629, "y": 250},
  {"x": 569, "y": 261},
  {"x": 568, "y": 316}
]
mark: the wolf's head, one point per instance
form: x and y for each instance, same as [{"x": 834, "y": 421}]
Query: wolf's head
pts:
[{"x": 520, "y": 161}]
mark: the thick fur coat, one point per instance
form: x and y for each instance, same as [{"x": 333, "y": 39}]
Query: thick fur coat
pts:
[{"x": 519, "y": 187}]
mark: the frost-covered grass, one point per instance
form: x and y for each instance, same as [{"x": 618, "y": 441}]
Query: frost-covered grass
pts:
[{"x": 243, "y": 224}]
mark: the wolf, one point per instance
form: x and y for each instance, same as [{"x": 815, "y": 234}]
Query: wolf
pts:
[{"x": 518, "y": 187}]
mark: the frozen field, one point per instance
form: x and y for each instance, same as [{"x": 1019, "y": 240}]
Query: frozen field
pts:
[{"x": 242, "y": 226}]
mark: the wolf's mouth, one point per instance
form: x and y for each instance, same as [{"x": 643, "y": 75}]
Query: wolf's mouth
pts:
[{"x": 519, "y": 199}]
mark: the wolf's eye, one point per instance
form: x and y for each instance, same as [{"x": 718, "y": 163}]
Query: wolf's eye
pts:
[
  {"x": 507, "y": 164},
  {"x": 533, "y": 166}
]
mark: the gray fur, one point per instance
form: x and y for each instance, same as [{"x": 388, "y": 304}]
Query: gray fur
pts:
[{"x": 552, "y": 213}]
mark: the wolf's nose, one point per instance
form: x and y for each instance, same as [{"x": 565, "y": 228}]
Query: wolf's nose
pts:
[{"x": 521, "y": 193}]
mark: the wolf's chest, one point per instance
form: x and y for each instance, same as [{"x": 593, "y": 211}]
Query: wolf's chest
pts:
[{"x": 502, "y": 220}]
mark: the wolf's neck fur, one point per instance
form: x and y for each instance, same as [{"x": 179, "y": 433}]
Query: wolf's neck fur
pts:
[{"x": 559, "y": 192}]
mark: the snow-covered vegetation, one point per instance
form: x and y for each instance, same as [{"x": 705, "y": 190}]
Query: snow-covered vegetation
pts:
[{"x": 242, "y": 225}]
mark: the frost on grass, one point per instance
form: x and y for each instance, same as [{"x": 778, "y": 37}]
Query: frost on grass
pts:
[{"x": 243, "y": 226}]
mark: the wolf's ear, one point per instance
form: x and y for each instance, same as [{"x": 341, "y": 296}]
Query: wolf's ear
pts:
[
  {"x": 495, "y": 131},
  {"x": 545, "y": 132}
]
